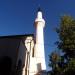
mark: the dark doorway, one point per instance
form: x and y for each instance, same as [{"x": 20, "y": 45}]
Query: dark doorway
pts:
[{"x": 5, "y": 65}]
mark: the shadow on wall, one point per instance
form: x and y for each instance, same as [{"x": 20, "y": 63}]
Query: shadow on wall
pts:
[
  {"x": 5, "y": 65},
  {"x": 39, "y": 67},
  {"x": 19, "y": 68}
]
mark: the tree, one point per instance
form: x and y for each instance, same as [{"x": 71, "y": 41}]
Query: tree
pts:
[
  {"x": 66, "y": 43},
  {"x": 54, "y": 59},
  {"x": 66, "y": 33}
]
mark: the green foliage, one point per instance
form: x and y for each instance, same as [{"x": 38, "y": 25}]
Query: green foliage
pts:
[
  {"x": 65, "y": 64},
  {"x": 66, "y": 33}
]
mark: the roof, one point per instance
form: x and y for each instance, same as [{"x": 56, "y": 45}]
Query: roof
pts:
[{"x": 16, "y": 36}]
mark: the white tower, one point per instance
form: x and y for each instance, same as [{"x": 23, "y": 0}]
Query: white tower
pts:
[{"x": 39, "y": 45}]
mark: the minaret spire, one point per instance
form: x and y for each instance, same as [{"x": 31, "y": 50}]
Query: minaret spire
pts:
[
  {"x": 39, "y": 13},
  {"x": 40, "y": 17},
  {"x": 39, "y": 46}
]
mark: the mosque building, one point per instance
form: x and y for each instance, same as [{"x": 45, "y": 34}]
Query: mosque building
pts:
[{"x": 24, "y": 54}]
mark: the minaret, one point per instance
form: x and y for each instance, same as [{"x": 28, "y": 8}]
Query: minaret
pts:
[{"x": 39, "y": 45}]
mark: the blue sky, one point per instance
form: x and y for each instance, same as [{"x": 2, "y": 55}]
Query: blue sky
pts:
[{"x": 17, "y": 17}]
